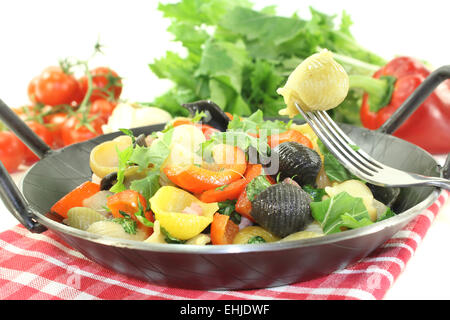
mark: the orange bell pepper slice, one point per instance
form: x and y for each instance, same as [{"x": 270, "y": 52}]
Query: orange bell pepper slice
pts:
[
  {"x": 230, "y": 166},
  {"x": 75, "y": 198},
  {"x": 234, "y": 189},
  {"x": 223, "y": 230},
  {"x": 290, "y": 135}
]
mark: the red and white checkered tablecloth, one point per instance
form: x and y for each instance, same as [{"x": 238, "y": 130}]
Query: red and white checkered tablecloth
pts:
[{"x": 41, "y": 266}]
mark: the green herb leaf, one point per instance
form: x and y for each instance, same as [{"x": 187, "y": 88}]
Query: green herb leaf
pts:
[
  {"x": 124, "y": 157},
  {"x": 154, "y": 155},
  {"x": 256, "y": 186},
  {"x": 256, "y": 123},
  {"x": 129, "y": 133},
  {"x": 170, "y": 239},
  {"x": 334, "y": 170},
  {"x": 128, "y": 225},
  {"x": 316, "y": 194},
  {"x": 147, "y": 186},
  {"x": 386, "y": 215},
  {"x": 229, "y": 208},
  {"x": 236, "y": 138},
  {"x": 256, "y": 239},
  {"x": 340, "y": 211}
]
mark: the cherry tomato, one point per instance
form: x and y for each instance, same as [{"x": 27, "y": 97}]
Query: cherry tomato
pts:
[
  {"x": 34, "y": 112},
  {"x": 44, "y": 133},
  {"x": 73, "y": 132},
  {"x": 54, "y": 87},
  {"x": 102, "y": 108},
  {"x": 54, "y": 123},
  {"x": 25, "y": 112},
  {"x": 106, "y": 84},
  {"x": 11, "y": 151},
  {"x": 32, "y": 89}
]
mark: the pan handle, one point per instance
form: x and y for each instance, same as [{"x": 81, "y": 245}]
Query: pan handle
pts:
[
  {"x": 9, "y": 193},
  {"x": 415, "y": 99},
  {"x": 446, "y": 168},
  {"x": 15, "y": 202},
  {"x": 25, "y": 134}
]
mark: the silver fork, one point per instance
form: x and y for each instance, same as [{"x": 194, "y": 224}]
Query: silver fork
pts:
[{"x": 359, "y": 162}]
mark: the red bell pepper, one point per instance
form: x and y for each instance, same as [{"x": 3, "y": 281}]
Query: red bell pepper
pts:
[
  {"x": 223, "y": 230},
  {"x": 289, "y": 136},
  {"x": 243, "y": 204},
  {"x": 75, "y": 198},
  {"x": 232, "y": 190},
  {"x": 230, "y": 165},
  {"x": 429, "y": 126}
]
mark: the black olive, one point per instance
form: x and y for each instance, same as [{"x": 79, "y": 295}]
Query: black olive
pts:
[
  {"x": 215, "y": 116},
  {"x": 386, "y": 195},
  {"x": 282, "y": 209},
  {"x": 297, "y": 162},
  {"x": 108, "y": 181},
  {"x": 140, "y": 141}
]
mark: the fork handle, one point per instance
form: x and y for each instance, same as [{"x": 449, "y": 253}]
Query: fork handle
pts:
[{"x": 440, "y": 183}]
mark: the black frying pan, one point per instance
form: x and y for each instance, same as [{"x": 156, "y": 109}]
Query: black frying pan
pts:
[{"x": 218, "y": 267}]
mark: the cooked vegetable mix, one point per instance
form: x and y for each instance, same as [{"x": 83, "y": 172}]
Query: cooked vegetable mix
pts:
[{"x": 253, "y": 182}]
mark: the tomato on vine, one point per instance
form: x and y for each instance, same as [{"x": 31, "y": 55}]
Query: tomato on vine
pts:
[
  {"x": 44, "y": 133},
  {"x": 54, "y": 124},
  {"x": 11, "y": 151},
  {"x": 77, "y": 129},
  {"x": 106, "y": 84},
  {"x": 32, "y": 89},
  {"x": 102, "y": 108},
  {"x": 55, "y": 87}
]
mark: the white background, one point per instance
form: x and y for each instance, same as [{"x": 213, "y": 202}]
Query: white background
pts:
[{"x": 36, "y": 34}]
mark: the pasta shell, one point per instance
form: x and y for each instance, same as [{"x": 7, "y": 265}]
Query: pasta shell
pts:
[
  {"x": 115, "y": 230},
  {"x": 247, "y": 233},
  {"x": 356, "y": 189},
  {"x": 318, "y": 83},
  {"x": 301, "y": 235},
  {"x": 103, "y": 158},
  {"x": 199, "y": 240},
  {"x": 157, "y": 236},
  {"x": 82, "y": 218},
  {"x": 168, "y": 204}
]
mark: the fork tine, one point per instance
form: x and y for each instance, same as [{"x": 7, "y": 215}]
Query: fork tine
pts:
[
  {"x": 322, "y": 133},
  {"x": 343, "y": 148},
  {"x": 359, "y": 163},
  {"x": 347, "y": 139},
  {"x": 346, "y": 142}
]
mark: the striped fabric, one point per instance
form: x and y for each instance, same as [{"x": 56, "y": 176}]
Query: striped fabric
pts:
[{"x": 41, "y": 266}]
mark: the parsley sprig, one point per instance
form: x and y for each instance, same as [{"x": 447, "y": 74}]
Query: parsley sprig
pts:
[{"x": 149, "y": 159}]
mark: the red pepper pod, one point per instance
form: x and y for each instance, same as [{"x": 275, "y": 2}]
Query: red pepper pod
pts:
[{"x": 429, "y": 126}]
